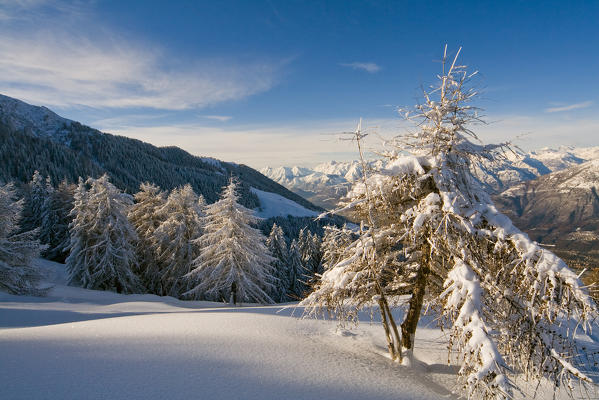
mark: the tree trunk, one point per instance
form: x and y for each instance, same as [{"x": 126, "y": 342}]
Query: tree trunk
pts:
[
  {"x": 393, "y": 339},
  {"x": 408, "y": 326}
]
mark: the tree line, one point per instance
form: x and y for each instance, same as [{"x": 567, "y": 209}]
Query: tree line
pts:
[{"x": 159, "y": 242}]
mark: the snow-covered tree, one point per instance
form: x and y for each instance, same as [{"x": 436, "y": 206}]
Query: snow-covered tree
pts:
[
  {"x": 298, "y": 277},
  {"x": 431, "y": 232},
  {"x": 309, "y": 247},
  {"x": 174, "y": 240},
  {"x": 55, "y": 220},
  {"x": 35, "y": 197},
  {"x": 145, "y": 216},
  {"x": 232, "y": 253},
  {"x": 102, "y": 248},
  {"x": 278, "y": 248},
  {"x": 334, "y": 243},
  {"x": 17, "y": 250}
]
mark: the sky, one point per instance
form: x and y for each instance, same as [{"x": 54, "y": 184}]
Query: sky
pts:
[{"x": 270, "y": 83}]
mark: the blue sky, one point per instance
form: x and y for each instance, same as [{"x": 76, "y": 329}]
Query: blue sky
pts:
[{"x": 271, "y": 82}]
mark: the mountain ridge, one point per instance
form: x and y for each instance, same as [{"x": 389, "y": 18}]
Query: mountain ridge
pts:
[{"x": 36, "y": 138}]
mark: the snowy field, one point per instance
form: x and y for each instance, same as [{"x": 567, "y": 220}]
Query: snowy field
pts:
[{"x": 83, "y": 344}]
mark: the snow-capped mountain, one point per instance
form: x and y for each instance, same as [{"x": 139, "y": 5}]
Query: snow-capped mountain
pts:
[{"x": 326, "y": 183}]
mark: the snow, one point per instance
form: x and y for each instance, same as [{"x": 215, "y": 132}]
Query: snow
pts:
[
  {"x": 85, "y": 344},
  {"x": 274, "y": 205},
  {"x": 78, "y": 343},
  {"x": 214, "y": 162},
  {"x": 42, "y": 121}
]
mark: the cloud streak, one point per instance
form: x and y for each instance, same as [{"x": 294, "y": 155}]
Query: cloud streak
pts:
[
  {"x": 59, "y": 65},
  {"x": 570, "y": 107},
  {"x": 368, "y": 67}
]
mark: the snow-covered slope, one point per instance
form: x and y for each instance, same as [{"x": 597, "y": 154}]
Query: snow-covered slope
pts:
[
  {"x": 84, "y": 344},
  {"x": 37, "y": 121},
  {"x": 275, "y": 205}
]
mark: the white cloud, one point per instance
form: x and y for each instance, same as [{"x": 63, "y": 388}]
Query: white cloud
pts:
[
  {"x": 66, "y": 71},
  {"x": 570, "y": 107},
  {"x": 60, "y": 64},
  {"x": 368, "y": 67},
  {"x": 220, "y": 118}
]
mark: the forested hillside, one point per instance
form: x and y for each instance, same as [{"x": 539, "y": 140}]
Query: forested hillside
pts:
[{"x": 35, "y": 138}]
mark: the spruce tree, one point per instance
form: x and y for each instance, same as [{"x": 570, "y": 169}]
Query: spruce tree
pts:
[
  {"x": 34, "y": 202},
  {"x": 145, "y": 216},
  {"x": 54, "y": 229},
  {"x": 298, "y": 278},
  {"x": 102, "y": 249},
  {"x": 17, "y": 250},
  {"x": 278, "y": 248},
  {"x": 233, "y": 254},
  {"x": 174, "y": 240}
]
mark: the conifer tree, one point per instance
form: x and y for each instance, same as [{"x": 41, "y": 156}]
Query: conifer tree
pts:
[
  {"x": 278, "y": 248},
  {"x": 54, "y": 229},
  {"x": 431, "y": 232},
  {"x": 145, "y": 216},
  {"x": 298, "y": 278},
  {"x": 34, "y": 202},
  {"x": 174, "y": 240},
  {"x": 17, "y": 250},
  {"x": 334, "y": 241},
  {"x": 233, "y": 254},
  {"x": 102, "y": 248}
]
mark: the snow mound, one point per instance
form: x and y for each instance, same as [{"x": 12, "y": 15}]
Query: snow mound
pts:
[{"x": 274, "y": 205}]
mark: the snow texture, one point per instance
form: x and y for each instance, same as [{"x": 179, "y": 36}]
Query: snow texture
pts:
[
  {"x": 85, "y": 344},
  {"x": 274, "y": 205}
]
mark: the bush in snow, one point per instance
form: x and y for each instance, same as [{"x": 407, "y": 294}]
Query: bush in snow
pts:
[
  {"x": 430, "y": 232},
  {"x": 232, "y": 252},
  {"x": 17, "y": 250},
  {"x": 102, "y": 248}
]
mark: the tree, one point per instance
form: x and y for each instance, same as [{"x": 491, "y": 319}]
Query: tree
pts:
[
  {"x": 334, "y": 241},
  {"x": 298, "y": 279},
  {"x": 278, "y": 248},
  {"x": 175, "y": 240},
  {"x": 102, "y": 239},
  {"x": 309, "y": 247},
  {"x": 233, "y": 254},
  {"x": 55, "y": 220},
  {"x": 431, "y": 232},
  {"x": 34, "y": 202},
  {"x": 145, "y": 216},
  {"x": 17, "y": 250}
]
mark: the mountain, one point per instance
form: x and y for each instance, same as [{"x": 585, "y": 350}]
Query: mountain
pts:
[
  {"x": 33, "y": 137},
  {"x": 326, "y": 183},
  {"x": 559, "y": 209}
]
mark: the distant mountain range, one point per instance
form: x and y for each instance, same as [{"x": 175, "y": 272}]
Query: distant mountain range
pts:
[
  {"x": 559, "y": 209},
  {"x": 552, "y": 194},
  {"x": 35, "y": 138}
]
